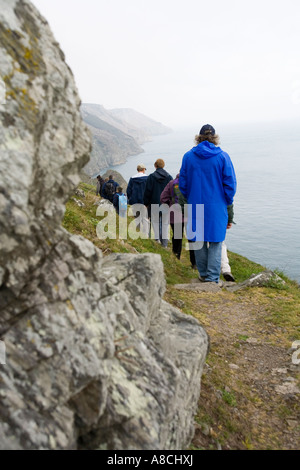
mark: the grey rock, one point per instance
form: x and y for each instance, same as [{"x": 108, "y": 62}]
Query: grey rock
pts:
[
  {"x": 95, "y": 359},
  {"x": 262, "y": 279},
  {"x": 200, "y": 287},
  {"x": 78, "y": 202},
  {"x": 79, "y": 192},
  {"x": 105, "y": 206},
  {"x": 289, "y": 387},
  {"x": 116, "y": 177}
]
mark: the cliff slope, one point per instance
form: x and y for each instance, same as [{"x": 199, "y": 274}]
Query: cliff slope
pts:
[
  {"x": 117, "y": 134},
  {"x": 110, "y": 145}
]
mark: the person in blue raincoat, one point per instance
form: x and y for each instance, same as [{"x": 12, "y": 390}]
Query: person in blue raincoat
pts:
[{"x": 208, "y": 182}]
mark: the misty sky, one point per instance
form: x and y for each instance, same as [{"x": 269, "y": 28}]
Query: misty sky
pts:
[{"x": 183, "y": 62}]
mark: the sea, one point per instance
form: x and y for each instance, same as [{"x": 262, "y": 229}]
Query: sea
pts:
[{"x": 266, "y": 158}]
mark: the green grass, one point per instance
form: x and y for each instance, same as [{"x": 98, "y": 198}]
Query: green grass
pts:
[
  {"x": 83, "y": 221},
  {"x": 229, "y": 398},
  {"x": 242, "y": 267},
  {"x": 283, "y": 301}
]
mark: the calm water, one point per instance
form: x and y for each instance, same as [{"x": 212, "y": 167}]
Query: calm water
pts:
[{"x": 266, "y": 158}]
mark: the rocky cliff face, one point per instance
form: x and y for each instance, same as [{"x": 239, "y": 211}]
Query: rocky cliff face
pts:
[
  {"x": 117, "y": 134},
  {"x": 94, "y": 357},
  {"x": 111, "y": 142}
]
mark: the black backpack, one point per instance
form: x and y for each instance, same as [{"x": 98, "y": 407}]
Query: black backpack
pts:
[{"x": 110, "y": 189}]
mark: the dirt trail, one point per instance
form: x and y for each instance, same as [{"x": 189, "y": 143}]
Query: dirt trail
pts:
[{"x": 250, "y": 388}]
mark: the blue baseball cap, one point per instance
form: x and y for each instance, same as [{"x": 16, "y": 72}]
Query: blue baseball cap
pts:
[{"x": 207, "y": 129}]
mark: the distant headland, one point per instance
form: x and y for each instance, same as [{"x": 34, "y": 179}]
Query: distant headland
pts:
[{"x": 117, "y": 134}]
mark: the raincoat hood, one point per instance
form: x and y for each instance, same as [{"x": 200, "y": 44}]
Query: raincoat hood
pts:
[
  {"x": 160, "y": 174},
  {"x": 140, "y": 179},
  {"x": 206, "y": 150}
]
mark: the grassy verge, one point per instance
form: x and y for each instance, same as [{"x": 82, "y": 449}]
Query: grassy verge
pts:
[{"x": 250, "y": 330}]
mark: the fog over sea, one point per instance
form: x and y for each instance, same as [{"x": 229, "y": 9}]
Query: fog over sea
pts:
[{"x": 266, "y": 157}]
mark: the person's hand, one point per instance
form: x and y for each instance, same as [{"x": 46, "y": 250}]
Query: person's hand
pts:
[{"x": 229, "y": 226}]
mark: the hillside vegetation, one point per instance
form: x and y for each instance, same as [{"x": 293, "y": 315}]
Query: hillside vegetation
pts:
[{"x": 251, "y": 383}]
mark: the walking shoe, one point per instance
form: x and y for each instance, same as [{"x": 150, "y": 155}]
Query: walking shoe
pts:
[
  {"x": 228, "y": 277},
  {"x": 201, "y": 279}
]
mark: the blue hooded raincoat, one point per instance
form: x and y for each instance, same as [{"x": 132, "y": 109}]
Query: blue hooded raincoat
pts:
[{"x": 207, "y": 178}]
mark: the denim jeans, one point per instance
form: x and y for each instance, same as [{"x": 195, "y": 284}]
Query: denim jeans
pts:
[{"x": 208, "y": 261}]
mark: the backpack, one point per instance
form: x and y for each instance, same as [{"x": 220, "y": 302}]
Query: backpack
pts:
[
  {"x": 122, "y": 203},
  {"x": 178, "y": 197},
  {"x": 99, "y": 185},
  {"x": 110, "y": 189}
]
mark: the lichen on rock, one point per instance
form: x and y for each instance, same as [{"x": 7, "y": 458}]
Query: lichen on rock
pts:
[{"x": 95, "y": 359}]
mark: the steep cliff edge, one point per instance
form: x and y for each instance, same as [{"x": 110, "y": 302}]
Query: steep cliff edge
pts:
[
  {"x": 111, "y": 145},
  {"x": 95, "y": 358}
]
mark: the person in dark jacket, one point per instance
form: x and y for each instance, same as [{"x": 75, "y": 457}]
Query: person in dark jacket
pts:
[
  {"x": 102, "y": 187},
  {"x": 109, "y": 188},
  {"x": 100, "y": 182},
  {"x": 121, "y": 209},
  {"x": 170, "y": 196},
  {"x": 136, "y": 186},
  {"x": 135, "y": 193},
  {"x": 156, "y": 183}
]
